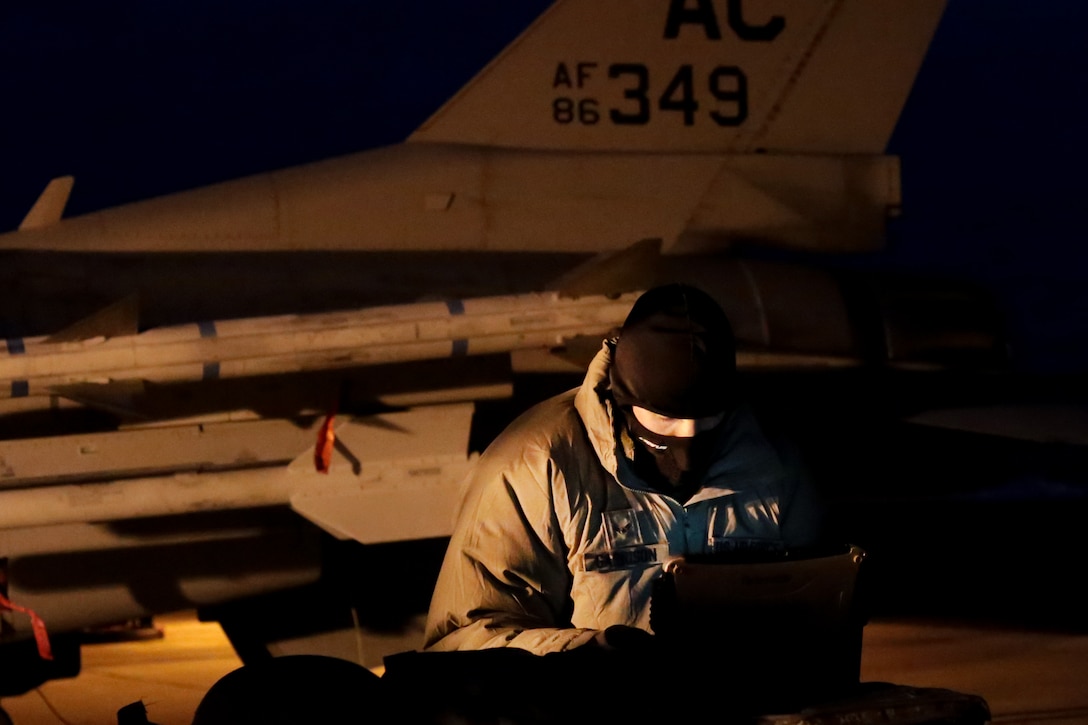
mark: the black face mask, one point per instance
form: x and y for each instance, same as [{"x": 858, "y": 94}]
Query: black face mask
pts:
[{"x": 678, "y": 463}]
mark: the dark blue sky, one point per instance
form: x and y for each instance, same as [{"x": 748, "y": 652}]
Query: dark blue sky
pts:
[
  {"x": 142, "y": 98},
  {"x": 137, "y": 98},
  {"x": 993, "y": 148}
]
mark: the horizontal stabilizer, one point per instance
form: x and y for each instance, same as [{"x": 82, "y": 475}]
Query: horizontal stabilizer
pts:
[
  {"x": 49, "y": 207},
  {"x": 392, "y": 477}
]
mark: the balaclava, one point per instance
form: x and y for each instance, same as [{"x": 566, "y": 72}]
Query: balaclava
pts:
[{"x": 675, "y": 356}]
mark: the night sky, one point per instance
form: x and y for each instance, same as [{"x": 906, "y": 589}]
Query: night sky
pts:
[{"x": 137, "y": 99}]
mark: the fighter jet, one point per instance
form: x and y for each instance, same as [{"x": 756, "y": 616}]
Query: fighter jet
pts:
[{"x": 257, "y": 399}]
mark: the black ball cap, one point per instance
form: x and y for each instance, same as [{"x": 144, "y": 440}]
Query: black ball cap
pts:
[{"x": 675, "y": 354}]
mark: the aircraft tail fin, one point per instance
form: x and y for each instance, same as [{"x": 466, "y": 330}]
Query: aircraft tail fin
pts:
[
  {"x": 736, "y": 76},
  {"x": 49, "y": 207}
]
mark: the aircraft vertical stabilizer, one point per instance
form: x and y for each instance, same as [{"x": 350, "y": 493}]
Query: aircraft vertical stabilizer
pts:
[{"x": 794, "y": 76}]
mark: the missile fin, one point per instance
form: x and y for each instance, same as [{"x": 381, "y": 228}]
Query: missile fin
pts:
[
  {"x": 117, "y": 396},
  {"x": 120, "y": 318},
  {"x": 613, "y": 272}
]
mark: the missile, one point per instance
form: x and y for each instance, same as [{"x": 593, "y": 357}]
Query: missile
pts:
[
  {"x": 309, "y": 342},
  {"x": 404, "y": 484}
]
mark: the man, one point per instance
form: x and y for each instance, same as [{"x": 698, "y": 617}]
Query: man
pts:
[{"x": 571, "y": 512}]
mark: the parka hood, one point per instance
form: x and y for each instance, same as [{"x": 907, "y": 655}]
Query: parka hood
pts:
[{"x": 743, "y": 456}]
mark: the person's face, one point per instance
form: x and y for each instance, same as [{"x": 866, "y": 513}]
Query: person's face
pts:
[{"x": 675, "y": 427}]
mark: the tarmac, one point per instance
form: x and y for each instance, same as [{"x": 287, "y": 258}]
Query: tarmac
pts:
[{"x": 1026, "y": 676}]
